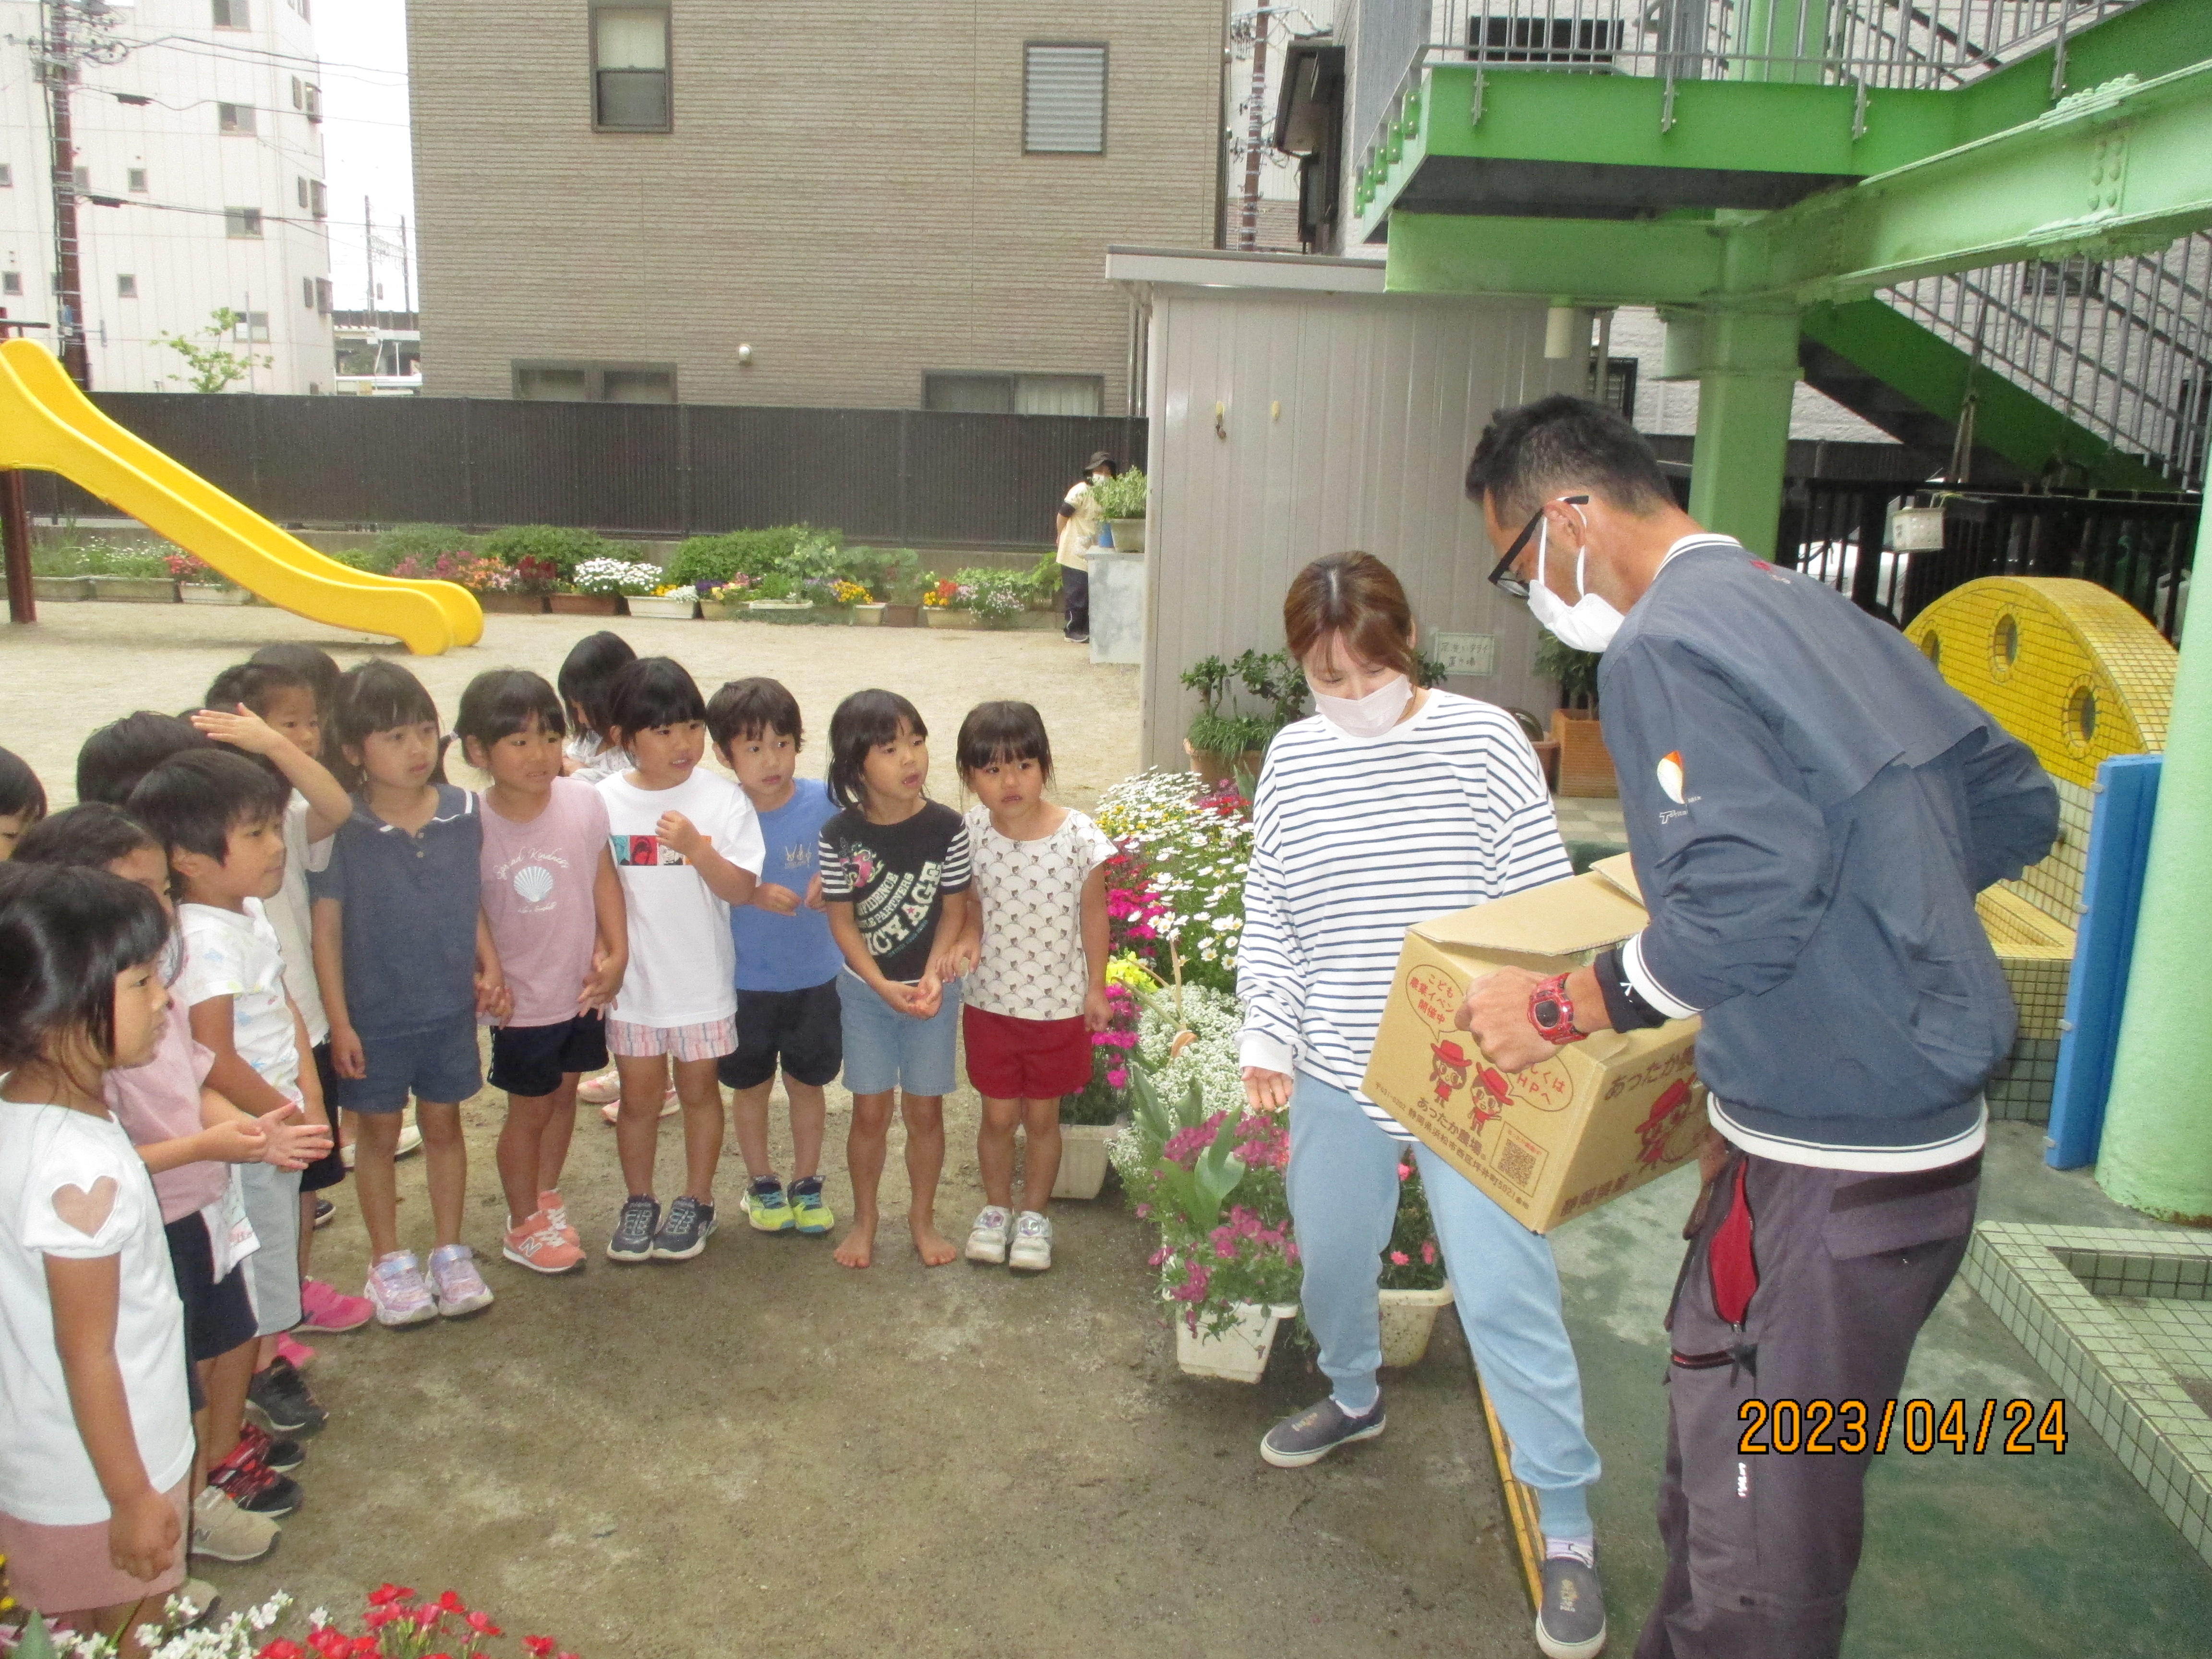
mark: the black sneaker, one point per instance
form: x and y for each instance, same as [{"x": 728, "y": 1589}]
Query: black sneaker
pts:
[
  {"x": 286, "y": 1405},
  {"x": 1570, "y": 1625},
  {"x": 683, "y": 1234},
  {"x": 254, "y": 1486},
  {"x": 633, "y": 1239},
  {"x": 282, "y": 1456},
  {"x": 1077, "y": 639},
  {"x": 324, "y": 1211},
  {"x": 1316, "y": 1432}
]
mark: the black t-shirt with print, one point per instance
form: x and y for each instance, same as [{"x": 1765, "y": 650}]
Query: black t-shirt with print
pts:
[{"x": 895, "y": 876}]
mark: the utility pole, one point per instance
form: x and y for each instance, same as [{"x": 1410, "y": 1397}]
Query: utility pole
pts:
[
  {"x": 406, "y": 273},
  {"x": 368, "y": 253},
  {"x": 55, "y": 69},
  {"x": 1248, "y": 223}
]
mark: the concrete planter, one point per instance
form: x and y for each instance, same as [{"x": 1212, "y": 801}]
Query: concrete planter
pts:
[
  {"x": 1118, "y": 607},
  {"x": 721, "y": 610},
  {"x": 937, "y": 616},
  {"x": 1409, "y": 1319},
  {"x": 869, "y": 616},
  {"x": 1240, "y": 1353},
  {"x": 512, "y": 605},
  {"x": 900, "y": 616},
  {"x": 583, "y": 604},
  {"x": 785, "y": 611},
  {"x": 134, "y": 589},
  {"x": 1082, "y": 1161},
  {"x": 1027, "y": 622},
  {"x": 1128, "y": 535},
  {"x": 669, "y": 607},
  {"x": 210, "y": 594},
  {"x": 61, "y": 590}
]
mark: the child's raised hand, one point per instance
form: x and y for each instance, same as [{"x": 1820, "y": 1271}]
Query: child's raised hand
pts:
[
  {"x": 601, "y": 984},
  {"x": 781, "y": 901},
  {"x": 1097, "y": 1011},
  {"x": 346, "y": 1057},
  {"x": 814, "y": 899},
  {"x": 142, "y": 1534},
  {"x": 289, "y": 1145},
  {"x": 243, "y": 730},
  {"x": 679, "y": 832},
  {"x": 234, "y": 1142}
]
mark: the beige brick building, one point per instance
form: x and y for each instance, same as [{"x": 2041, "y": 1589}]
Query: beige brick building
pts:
[{"x": 900, "y": 205}]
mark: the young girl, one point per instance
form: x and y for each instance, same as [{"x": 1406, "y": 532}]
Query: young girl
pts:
[
  {"x": 689, "y": 847},
  {"x": 1038, "y": 989},
  {"x": 554, "y": 905},
  {"x": 406, "y": 964},
  {"x": 895, "y": 877},
  {"x": 96, "y": 1463},
  {"x": 587, "y": 674},
  {"x": 23, "y": 801}
]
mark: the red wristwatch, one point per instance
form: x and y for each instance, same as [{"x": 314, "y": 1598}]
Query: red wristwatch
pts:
[{"x": 1552, "y": 1012}]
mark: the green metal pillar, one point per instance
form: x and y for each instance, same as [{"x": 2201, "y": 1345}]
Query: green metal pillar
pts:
[
  {"x": 1781, "y": 39},
  {"x": 2157, "y": 1151},
  {"x": 1747, "y": 373}
]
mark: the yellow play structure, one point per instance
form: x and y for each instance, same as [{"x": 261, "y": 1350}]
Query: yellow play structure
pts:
[{"x": 47, "y": 424}]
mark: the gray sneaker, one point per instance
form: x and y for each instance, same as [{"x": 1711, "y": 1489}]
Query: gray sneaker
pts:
[
  {"x": 1314, "y": 1433},
  {"x": 1570, "y": 1625},
  {"x": 633, "y": 1239},
  {"x": 683, "y": 1234}
]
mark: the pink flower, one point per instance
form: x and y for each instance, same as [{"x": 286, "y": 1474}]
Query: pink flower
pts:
[
  {"x": 1405, "y": 1170},
  {"x": 1429, "y": 1254},
  {"x": 1399, "y": 1258},
  {"x": 1143, "y": 1211},
  {"x": 1157, "y": 1258}
]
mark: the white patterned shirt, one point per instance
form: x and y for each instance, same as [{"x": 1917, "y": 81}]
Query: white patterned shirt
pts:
[{"x": 1032, "y": 966}]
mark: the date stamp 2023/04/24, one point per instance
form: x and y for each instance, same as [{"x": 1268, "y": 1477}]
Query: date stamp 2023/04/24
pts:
[{"x": 1848, "y": 1427}]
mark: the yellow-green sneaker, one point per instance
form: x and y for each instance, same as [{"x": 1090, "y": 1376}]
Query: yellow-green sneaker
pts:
[
  {"x": 766, "y": 1207},
  {"x": 811, "y": 1215}
]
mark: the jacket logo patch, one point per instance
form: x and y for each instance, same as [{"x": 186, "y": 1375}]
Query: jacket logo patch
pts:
[{"x": 1670, "y": 776}]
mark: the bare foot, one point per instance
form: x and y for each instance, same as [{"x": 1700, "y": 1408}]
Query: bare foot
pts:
[
  {"x": 931, "y": 1245},
  {"x": 858, "y": 1248}
]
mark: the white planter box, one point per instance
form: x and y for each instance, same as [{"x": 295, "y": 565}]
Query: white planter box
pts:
[
  {"x": 868, "y": 616},
  {"x": 680, "y": 607},
  {"x": 1128, "y": 535},
  {"x": 1082, "y": 1161},
  {"x": 208, "y": 594},
  {"x": 1409, "y": 1319},
  {"x": 940, "y": 617},
  {"x": 1240, "y": 1353},
  {"x": 786, "y": 611}
]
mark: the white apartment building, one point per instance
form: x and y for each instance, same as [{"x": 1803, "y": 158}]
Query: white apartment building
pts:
[{"x": 206, "y": 134}]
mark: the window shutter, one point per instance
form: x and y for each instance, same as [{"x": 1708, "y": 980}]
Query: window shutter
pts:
[{"x": 1064, "y": 100}]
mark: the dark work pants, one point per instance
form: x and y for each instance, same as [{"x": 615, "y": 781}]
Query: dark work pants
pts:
[
  {"x": 1760, "y": 1549},
  {"x": 1075, "y": 599}
]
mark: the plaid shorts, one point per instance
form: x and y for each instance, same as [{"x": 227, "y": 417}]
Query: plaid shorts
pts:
[{"x": 710, "y": 1040}]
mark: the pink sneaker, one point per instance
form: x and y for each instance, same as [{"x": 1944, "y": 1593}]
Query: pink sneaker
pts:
[
  {"x": 298, "y": 1352},
  {"x": 538, "y": 1244},
  {"x": 669, "y": 1107},
  {"x": 601, "y": 1091},
  {"x": 401, "y": 1295},
  {"x": 328, "y": 1309},
  {"x": 460, "y": 1288},
  {"x": 557, "y": 1217}
]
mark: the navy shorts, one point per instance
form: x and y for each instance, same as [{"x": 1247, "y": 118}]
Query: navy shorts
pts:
[
  {"x": 531, "y": 1060},
  {"x": 803, "y": 1030},
  {"x": 218, "y": 1317},
  {"x": 440, "y": 1065},
  {"x": 328, "y": 1170}
]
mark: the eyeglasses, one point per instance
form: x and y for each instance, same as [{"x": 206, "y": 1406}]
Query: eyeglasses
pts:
[{"x": 1502, "y": 577}]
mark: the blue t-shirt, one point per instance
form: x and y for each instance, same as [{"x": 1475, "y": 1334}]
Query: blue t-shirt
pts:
[
  {"x": 789, "y": 953},
  {"x": 409, "y": 921}
]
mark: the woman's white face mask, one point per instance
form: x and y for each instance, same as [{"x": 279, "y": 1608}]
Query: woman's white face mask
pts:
[{"x": 1363, "y": 718}]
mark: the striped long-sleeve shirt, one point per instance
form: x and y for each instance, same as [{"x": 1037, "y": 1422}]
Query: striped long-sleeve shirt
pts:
[{"x": 1353, "y": 842}]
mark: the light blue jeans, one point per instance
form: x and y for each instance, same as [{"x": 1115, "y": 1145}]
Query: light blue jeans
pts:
[{"x": 1344, "y": 1200}]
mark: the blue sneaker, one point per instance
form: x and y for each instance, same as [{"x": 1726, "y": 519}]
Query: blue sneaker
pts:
[
  {"x": 809, "y": 1213},
  {"x": 633, "y": 1239}
]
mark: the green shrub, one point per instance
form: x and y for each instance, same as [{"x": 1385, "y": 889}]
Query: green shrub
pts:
[
  {"x": 422, "y": 543},
  {"x": 563, "y": 546},
  {"x": 781, "y": 549},
  {"x": 1041, "y": 588},
  {"x": 996, "y": 593},
  {"x": 365, "y": 558},
  {"x": 100, "y": 560},
  {"x": 885, "y": 571},
  {"x": 1575, "y": 671},
  {"x": 1121, "y": 496}
]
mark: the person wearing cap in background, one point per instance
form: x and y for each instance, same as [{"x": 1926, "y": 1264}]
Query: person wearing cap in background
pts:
[
  {"x": 1810, "y": 812},
  {"x": 1077, "y": 529}
]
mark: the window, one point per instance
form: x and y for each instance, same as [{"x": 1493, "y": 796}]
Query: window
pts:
[
  {"x": 126, "y": 288},
  {"x": 250, "y": 326},
  {"x": 233, "y": 118},
  {"x": 1064, "y": 100},
  {"x": 7, "y": 178},
  {"x": 318, "y": 201},
  {"x": 307, "y": 292},
  {"x": 595, "y": 383},
  {"x": 233, "y": 15},
  {"x": 322, "y": 296},
  {"x": 11, "y": 282},
  {"x": 241, "y": 222},
  {"x": 630, "y": 69},
  {"x": 299, "y": 94},
  {"x": 136, "y": 179},
  {"x": 969, "y": 392}
]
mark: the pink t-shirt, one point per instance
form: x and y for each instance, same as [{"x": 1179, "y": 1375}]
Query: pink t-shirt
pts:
[
  {"x": 537, "y": 882},
  {"x": 160, "y": 1101}
]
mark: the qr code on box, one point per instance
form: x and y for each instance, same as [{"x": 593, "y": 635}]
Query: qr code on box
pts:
[{"x": 1518, "y": 1161}]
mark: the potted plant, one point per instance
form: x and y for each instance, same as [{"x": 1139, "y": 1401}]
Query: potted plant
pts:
[
  {"x": 1585, "y": 767},
  {"x": 133, "y": 576},
  {"x": 670, "y": 601},
  {"x": 599, "y": 587},
  {"x": 776, "y": 598},
  {"x": 1414, "y": 1289},
  {"x": 1223, "y": 744},
  {"x": 723, "y": 601},
  {"x": 201, "y": 583},
  {"x": 1090, "y": 1121},
  {"x": 902, "y": 590},
  {"x": 1121, "y": 502},
  {"x": 948, "y": 604}
]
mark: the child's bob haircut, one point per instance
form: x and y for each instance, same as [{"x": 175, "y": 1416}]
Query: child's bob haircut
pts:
[
  {"x": 191, "y": 803},
  {"x": 502, "y": 701},
  {"x": 64, "y": 936},
  {"x": 21, "y": 795},
  {"x": 377, "y": 696},
  {"x": 589, "y": 670},
  {"x": 255, "y": 685},
  {"x": 311, "y": 662},
  {"x": 651, "y": 691},
  {"x": 752, "y": 708},
  {"x": 90, "y": 837},
  {"x": 115, "y": 758},
  {"x": 863, "y": 720},
  {"x": 996, "y": 732}
]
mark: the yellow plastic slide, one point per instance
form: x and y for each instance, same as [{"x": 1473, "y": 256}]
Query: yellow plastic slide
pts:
[{"x": 47, "y": 423}]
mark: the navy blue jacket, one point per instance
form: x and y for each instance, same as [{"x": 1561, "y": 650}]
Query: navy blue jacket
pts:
[{"x": 1810, "y": 812}]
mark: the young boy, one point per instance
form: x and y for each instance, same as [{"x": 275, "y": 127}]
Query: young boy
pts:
[
  {"x": 788, "y": 963},
  {"x": 221, "y": 820}
]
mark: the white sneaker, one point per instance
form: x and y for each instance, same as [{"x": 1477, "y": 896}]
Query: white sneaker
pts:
[
  {"x": 989, "y": 1237},
  {"x": 410, "y": 1140},
  {"x": 1031, "y": 1250},
  {"x": 223, "y": 1532}
]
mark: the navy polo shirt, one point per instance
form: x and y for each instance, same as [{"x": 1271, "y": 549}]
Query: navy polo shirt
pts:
[{"x": 410, "y": 915}]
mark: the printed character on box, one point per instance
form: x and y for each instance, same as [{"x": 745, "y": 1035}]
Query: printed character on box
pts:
[
  {"x": 1489, "y": 1099},
  {"x": 1449, "y": 1073},
  {"x": 1657, "y": 1131}
]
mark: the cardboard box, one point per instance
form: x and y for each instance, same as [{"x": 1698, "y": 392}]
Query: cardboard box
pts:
[{"x": 1598, "y": 1118}]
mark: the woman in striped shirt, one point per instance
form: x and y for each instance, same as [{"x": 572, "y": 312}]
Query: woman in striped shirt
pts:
[{"x": 1389, "y": 806}]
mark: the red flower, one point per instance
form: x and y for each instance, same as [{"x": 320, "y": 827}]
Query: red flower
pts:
[
  {"x": 449, "y": 1602},
  {"x": 537, "y": 1647},
  {"x": 482, "y": 1625},
  {"x": 385, "y": 1593},
  {"x": 281, "y": 1648}
]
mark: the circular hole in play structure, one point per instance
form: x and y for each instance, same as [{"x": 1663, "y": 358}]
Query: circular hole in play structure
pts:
[
  {"x": 1931, "y": 646},
  {"x": 2005, "y": 645},
  {"x": 2081, "y": 715}
]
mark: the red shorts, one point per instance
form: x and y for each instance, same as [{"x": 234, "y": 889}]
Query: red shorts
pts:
[{"x": 1011, "y": 1058}]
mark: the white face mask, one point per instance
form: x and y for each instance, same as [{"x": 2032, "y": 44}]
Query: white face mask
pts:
[
  {"x": 1363, "y": 718},
  {"x": 1587, "y": 624}
]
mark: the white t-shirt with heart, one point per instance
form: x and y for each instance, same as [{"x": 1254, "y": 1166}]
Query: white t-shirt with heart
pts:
[{"x": 53, "y": 1163}]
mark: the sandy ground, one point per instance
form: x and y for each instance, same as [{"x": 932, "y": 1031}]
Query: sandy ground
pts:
[{"x": 757, "y": 1451}]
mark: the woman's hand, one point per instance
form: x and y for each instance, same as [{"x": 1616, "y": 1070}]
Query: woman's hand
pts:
[
  {"x": 142, "y": 1534},
  {"x": 1266, "y": 1091}
]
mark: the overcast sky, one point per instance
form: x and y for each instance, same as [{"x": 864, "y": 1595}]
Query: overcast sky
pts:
[{"x": 363, "y": 44}]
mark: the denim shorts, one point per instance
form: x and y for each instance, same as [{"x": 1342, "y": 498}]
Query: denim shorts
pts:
[
  {"x": 886, "y": 1049},
  {"x": 441, "y": 1065}
]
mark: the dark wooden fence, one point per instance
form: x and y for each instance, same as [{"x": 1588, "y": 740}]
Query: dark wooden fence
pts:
[{"x": 899, "y": 476}]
